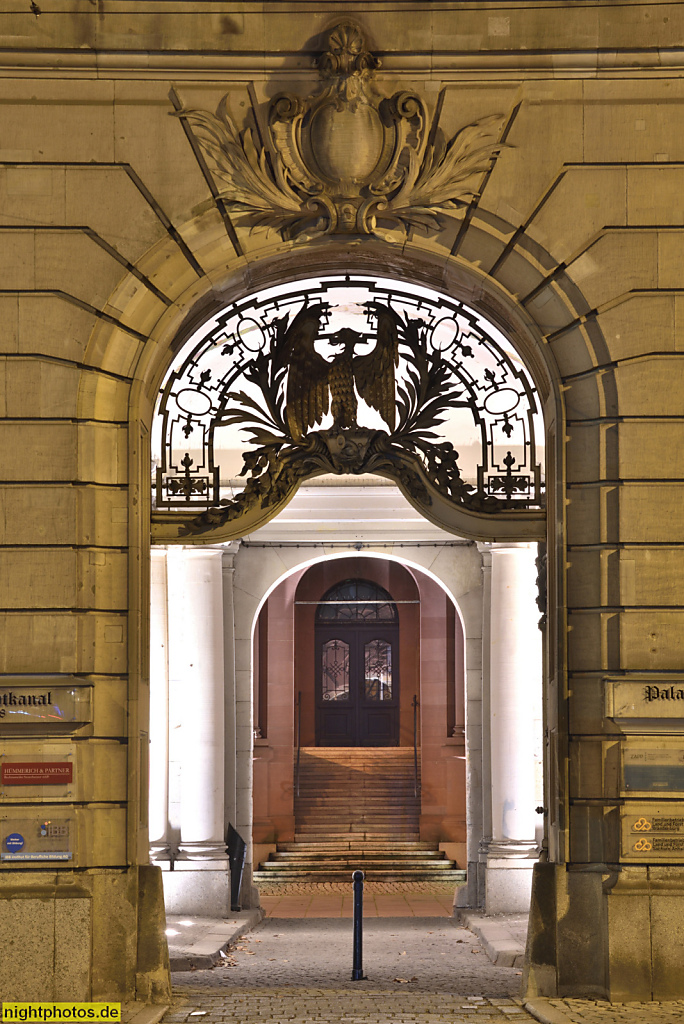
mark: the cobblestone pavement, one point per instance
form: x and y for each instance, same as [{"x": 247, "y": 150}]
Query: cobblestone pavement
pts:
[
  {"x": 334, "y": 899},
  {"x": 589, "y": 1011},
  {"x": 426, "y": 970},
  {"x": 430, "y": 954},
  {"x": 324, "y": 901},
  {"x": 324, "y": 1005},
  {"x": 419, "y": 971}
]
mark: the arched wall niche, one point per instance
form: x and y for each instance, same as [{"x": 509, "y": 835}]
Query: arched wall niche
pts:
[{"x": 438, "y": 576}]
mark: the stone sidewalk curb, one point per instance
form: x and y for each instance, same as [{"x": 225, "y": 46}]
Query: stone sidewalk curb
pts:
[
  {"x": 543, "y": 1011},
  {"x": 142, "y": 1013},
  {"x": 502, "y": 948},
  {"x": 202, "y": 942}
]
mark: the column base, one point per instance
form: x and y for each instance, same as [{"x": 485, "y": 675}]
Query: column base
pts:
[
  {"x": 200, "y": 853},
  {"x": 508, "y": 877},
  {"x": 470, "y": 895},
  {"x": 197, "y": 892},
  {"x": 184, "y": 863}
]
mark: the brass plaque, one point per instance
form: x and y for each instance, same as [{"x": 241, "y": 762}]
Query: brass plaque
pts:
[{"x": 652, "y": 832}]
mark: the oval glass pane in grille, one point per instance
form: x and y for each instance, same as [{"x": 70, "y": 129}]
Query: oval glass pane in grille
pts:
[
  {"x": 356, "y": 601},
  {"x": 378, "y": 677},
  {"x": 335, "y": 670}
]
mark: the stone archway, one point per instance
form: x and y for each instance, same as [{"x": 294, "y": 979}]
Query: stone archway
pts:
[
  {"x": 550, "y": 307},
  {"x": 501, "y": 311},
  {"x": 216, "y": 527}
]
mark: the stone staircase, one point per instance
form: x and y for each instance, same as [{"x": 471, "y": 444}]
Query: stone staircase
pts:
[{"x": 357, "y": 810}]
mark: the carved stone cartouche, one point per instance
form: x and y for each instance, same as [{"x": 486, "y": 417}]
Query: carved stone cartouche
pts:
[{"x": 345, "y": 160}]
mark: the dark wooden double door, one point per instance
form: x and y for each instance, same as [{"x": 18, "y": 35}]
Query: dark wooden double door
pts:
[{"x": 357, "y": 685}]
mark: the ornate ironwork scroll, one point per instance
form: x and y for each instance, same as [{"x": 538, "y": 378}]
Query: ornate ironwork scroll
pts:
[{"x": 346, "y": 375}]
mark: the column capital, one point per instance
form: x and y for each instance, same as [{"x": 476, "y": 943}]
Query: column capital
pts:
[
  {"x": 488, "y": 546},
  {"x": 197, "y": 550},
  {"x": 230, "y": 550}
]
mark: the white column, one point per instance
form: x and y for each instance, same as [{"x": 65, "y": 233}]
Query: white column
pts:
[
  {"x": 196, "y": 668},
  {"x": 159, "y": 710},
  {"x": 229, "y": 553},
  {"x": 515, "y": 685},
  {"x": 486, "y": 834}
]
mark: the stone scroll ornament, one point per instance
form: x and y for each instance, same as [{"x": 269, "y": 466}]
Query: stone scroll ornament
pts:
[{"x": 345, "y": 160}]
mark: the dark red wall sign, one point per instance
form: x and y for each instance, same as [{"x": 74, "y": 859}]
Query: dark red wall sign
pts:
[{"x": 37, "y": 773}]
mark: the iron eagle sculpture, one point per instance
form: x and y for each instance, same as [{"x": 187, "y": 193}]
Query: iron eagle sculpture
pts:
[
  {"x": 315, "y": 385},
  {"x": 299, "y": 387}
]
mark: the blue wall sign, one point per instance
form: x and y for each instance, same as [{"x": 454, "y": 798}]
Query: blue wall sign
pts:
[{"x": 14, "y": 841}]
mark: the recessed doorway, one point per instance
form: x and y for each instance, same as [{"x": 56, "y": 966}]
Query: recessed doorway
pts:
[{"x": 357, "y": 667}]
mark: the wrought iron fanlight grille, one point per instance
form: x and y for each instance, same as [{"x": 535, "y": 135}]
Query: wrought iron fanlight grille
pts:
[
  {"x": 346, "y": 375},
  {"x": 356, "y": 601}
]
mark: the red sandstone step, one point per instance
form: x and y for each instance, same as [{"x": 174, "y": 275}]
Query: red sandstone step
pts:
[
  {"x": 406, "y": 846},
  {"x": 356, "y": 837},
  {"x": 456, "y": 876},
  {"x": 376, "y": 856}
]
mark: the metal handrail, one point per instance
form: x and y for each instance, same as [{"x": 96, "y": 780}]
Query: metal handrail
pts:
[
  {"x": 416, "y": 783},
  {"x": 298, "y": 734}
]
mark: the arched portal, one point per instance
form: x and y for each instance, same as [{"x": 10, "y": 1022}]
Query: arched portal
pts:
[{"x": 354, "y": 375}]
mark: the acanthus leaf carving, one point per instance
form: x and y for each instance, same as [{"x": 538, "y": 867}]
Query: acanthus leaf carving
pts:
[{"x": 345, "y": 160}]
